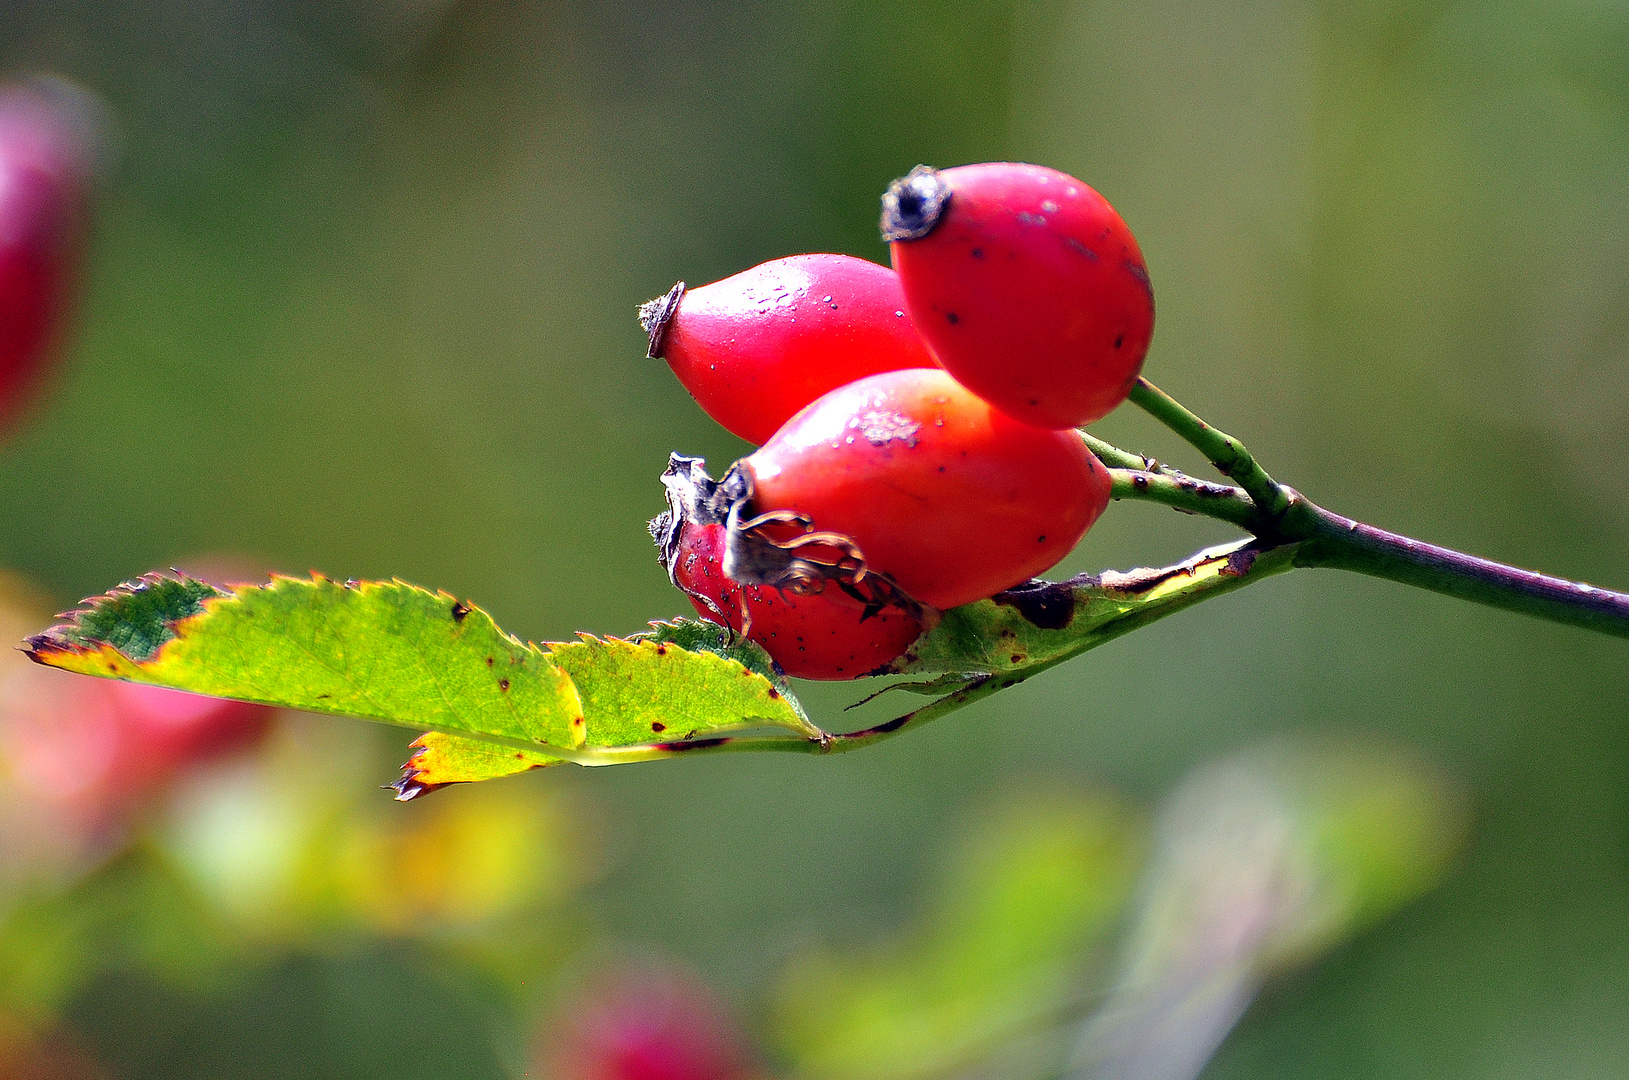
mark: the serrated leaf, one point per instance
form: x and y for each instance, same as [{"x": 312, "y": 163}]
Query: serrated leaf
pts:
[
  {"x": 397, "y": 653},
  {"x": 384, "y": 651},
  {"x": 698, "y": 635},
  {"x": 439, "y": 759},
  {"x": 644, "y": 691}
]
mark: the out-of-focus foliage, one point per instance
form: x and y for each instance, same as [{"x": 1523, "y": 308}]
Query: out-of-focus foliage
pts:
[
  {"x": 1261, "y": 862},
  {"x": 1007, "y": 942},
  {"x": 1039, "y": 958}
]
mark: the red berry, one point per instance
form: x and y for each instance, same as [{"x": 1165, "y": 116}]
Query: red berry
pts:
[
  {"x": 951, "y": 499},
  {"x": 1026, "y": 285},
  {"x": 755, "y": 348},
  {"x": 45, "y": 160},
  {"x": 644, "y": 1023},
  {"x": 820, "y": 634}
]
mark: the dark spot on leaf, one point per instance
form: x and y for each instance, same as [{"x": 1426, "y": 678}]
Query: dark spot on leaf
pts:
[
  {"x": 1047, "y": 605},
  {"x": 692, "y": 744},
  {"x": 661, "y": 650},
  {"x": 1239, "y": 562},
  {"x": 890, "y": 725},
  {"x": 459, "y": 610},
  {"x": 321, "y": 696},
  {"x": 1017, "y": 658},
  {"x": 489, "y": 661},
  {"x": 774, "y": 694},
  {"x": 657, "y": 726},
  {"x": 503, "y": 684}
]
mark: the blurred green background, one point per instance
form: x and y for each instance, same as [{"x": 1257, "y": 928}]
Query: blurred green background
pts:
[{"x": 360, "y": 299}]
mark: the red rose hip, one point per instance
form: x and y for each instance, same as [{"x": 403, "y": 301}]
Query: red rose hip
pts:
[
  {"x": 47, "y": 147},
  {"x": 755, "y": 348},
  {"x": 948, "y": 497},
  {"x": 821, "y": 633},
  {"x": 1026, "y": 285}
]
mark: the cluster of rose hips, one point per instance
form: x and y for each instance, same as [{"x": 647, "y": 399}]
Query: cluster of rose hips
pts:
[{"x": 917, "y": 424}]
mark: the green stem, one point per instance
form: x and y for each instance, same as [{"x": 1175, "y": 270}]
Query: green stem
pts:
[
  {"x": 1114, "y": 457},
  {"x": 1189, "y": 495},
  {"x": 1330, "y": 540},
  {"x": 1228, "y": 454},
  {"x": 1335, "y": 541}
]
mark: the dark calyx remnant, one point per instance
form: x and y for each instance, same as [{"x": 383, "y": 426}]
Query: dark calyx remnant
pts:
[
  {"x": 654, "y": 316},
  {"x": 755, "y": 555},
  {"x": 913, "y": 204}
]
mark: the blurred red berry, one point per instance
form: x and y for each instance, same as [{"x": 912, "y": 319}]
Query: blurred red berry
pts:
[
  {"x": 47, "y": 149},
  {"x": 647, "y": 1023}
]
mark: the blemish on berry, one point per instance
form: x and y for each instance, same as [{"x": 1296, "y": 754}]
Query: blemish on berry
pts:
[
  {"x": 952, "y": 318},
  {"x": 881, "y": 426}
]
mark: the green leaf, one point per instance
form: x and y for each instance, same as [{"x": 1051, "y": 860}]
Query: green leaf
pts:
[
  {"x": 384, "y": 651},
  {"x": 397, "y": 653},
  {"x": 632, "y": 693},
  {"x": 650, "y": 690},
  {"x": 1041, "y": 623},
  {"x": 438, "y": 759}
]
